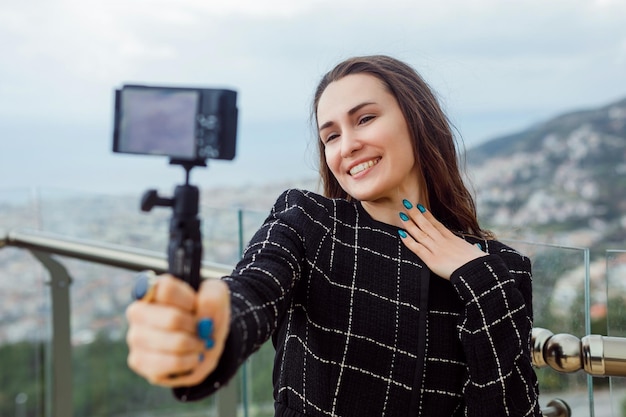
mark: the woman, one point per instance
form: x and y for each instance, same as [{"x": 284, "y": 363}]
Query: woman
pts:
[{"x": 383, "y": 298}]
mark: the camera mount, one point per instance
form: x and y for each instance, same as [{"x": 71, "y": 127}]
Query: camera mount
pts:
[{"x": 184, "y": 249}]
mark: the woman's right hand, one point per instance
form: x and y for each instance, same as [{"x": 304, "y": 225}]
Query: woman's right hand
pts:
[{"x": 164, "y": 346}]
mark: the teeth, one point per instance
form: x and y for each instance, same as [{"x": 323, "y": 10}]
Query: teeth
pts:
[{"x": 363, "y": 166}]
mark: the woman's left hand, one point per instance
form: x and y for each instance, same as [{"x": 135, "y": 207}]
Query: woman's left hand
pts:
[{"x": 440, "y": 249}]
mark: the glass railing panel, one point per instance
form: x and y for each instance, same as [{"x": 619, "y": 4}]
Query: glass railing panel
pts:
[
  {"x": 103, "y": 385},
  {"x": 260, "y": 400},
  {"x": 24, "y": 334},
  {"x": 560, "y": 297},
  {"x": 616, "y": 320},
  {"x": 117, "y": 219},
  {"x": 103, "y": 218},
  {"x": 98, "y": 324},
  {"x": 99, "y": 297},
  {"x": 225, "y": 232},
  {"x": 17, "y": 209},
  {"x": 224, "y": 245},
  {"x": 24, "y": 309}
]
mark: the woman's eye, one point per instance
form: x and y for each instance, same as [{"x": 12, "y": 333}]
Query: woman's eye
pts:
[
  {"x": 365, "y": 119},
  {"x": 331, "y": 137}
]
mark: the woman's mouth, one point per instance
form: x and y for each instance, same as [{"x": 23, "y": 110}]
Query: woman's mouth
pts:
[{"x": 362, "y": 167}]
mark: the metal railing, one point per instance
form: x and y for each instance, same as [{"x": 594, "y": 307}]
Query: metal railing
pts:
[
  {"x": 595, "y": 355},
  {"x": 43, "y": 246}
]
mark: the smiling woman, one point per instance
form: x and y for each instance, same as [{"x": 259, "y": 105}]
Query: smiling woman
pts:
[
  {"x": 383, "y": 297},
  {"x": 367, "y": 144}
]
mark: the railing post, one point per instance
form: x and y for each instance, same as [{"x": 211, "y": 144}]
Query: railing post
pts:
[
  {"x": 61, "y": 401},
  {"x": 226, "y": 399},
  {"x": 557, "y": 408},
  {"x": 245, "y": 375}
]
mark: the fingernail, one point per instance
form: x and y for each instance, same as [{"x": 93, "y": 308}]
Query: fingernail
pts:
[
  {"x": 421, "y": 208},
  {"x": 407, "y": 204},
  {"x": 404, "y": 217},
  {"x": 145, "y": 286},
  {"x": 479, "y": 246},
  {"x": 402, "y": 234},
  {"x": 205, "y": 328},
  {"x": 205, "y": 332}
]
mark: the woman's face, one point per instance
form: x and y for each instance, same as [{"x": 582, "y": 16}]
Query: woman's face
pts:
[{"x": 366, "y": 140}]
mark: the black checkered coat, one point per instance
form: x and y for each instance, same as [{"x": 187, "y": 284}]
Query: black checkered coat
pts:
[{"x": 338, "y": 293}]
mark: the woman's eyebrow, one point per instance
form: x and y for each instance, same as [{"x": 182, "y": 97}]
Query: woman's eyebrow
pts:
[{"x": 350, "y": 113}]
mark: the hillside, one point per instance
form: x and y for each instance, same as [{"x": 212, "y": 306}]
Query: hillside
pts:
[{"x": 561, "y": 181}]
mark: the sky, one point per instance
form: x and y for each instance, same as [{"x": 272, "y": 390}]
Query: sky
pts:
[{"x": 497, "y": 66}]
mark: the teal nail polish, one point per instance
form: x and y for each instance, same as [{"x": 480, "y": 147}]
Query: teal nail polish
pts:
[
  {"x": 402, "y": 234},
  {"x": 421, "y": 208},
  {"x": 205, "y": 332},
  {"x": 404, "y": 217},
  {"x": 407, "y": 204},
  {"x": 205, "y": 329},
  {"x": 479, "y": 246}
]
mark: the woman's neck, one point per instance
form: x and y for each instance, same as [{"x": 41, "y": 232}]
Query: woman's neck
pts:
[{"x": 387, "y": 210}]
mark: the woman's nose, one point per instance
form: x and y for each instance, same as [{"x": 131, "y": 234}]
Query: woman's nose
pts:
[{"x": 350, "y": 143}]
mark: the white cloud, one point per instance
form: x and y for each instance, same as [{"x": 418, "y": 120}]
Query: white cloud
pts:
[{"x": 497, "y": 65}]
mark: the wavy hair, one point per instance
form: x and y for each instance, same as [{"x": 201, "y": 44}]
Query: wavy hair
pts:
[{"x": 434, "y": 144}]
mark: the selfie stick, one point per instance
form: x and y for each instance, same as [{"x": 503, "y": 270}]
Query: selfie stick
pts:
[{"x": 184, "y": 249}]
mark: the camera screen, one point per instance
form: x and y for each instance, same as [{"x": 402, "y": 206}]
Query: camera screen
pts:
[{"x": 158, "y": 122}]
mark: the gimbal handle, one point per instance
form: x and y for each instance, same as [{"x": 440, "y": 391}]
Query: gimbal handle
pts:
[{"x": 184, "y": 249}]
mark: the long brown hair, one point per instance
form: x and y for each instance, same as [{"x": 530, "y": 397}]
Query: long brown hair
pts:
[{"x": 434, "y": 144}]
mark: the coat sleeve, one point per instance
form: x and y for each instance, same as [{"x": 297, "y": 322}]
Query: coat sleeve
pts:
[
  {"x": 495, "y": 331},
  {"x": 260, "y": 286}
]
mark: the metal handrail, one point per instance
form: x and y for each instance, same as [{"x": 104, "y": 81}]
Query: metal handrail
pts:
[
  {"x": 113, "y": 255},
  {"x": 596, "y": 355}
]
